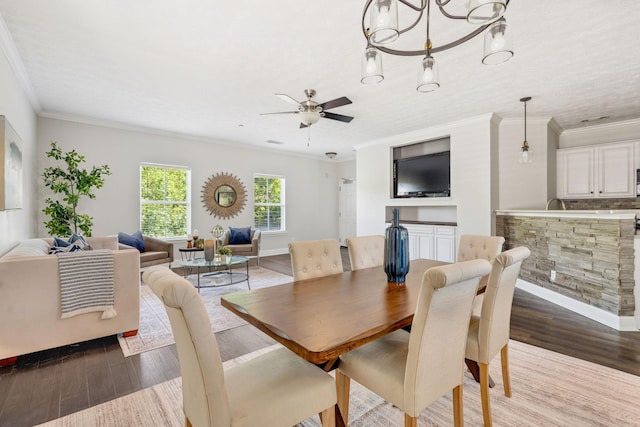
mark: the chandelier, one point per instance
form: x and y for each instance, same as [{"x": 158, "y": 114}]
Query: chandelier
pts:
[{"x": 383, "y": 30}]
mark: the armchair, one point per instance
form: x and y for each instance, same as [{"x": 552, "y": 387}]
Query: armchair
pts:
[
  {"x": 246, "y": 249},
  {"x": 156, "y": 251}
]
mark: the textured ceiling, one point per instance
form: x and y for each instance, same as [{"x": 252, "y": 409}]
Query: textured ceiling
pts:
[{"x": 208, "y": 69}]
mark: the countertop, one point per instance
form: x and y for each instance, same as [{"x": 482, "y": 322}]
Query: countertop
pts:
[{"x": 595, "y": 214}]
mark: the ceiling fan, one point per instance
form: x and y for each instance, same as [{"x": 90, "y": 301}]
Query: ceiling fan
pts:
[{"x": 310, "y": 111}]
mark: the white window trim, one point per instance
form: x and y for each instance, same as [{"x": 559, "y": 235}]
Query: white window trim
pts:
[
  {"x": 187, "y": 202},
  {"x": 283, "y": 194}
]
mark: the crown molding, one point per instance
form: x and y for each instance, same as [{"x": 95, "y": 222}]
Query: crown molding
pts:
[
  {"x": 603, "y": 126},
  {"x": 198, "y": 138},
  {"x": 11, "y": 53}
]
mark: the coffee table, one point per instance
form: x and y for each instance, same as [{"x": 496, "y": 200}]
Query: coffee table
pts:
[{"x": 219, "y": 269}]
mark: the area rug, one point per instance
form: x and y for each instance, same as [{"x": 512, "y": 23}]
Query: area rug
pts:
[
  {"x": 155, "y": 330},
  {"x": 549, "y": 389}
]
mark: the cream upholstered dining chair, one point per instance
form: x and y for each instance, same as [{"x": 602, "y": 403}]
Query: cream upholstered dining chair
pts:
[
  {"x": 315, "y": 258},
  {"x": 479, "y": 247},
  {"x": 365, "y": 251},
  {"x": 412, "y": 370},
  {"x": 489, "y": 333},
  {"x": 277, "y": 388}
]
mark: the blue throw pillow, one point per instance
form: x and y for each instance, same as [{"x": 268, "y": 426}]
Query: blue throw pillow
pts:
[
  {"x": 75, "y": 243},
  {"x": 134, "y": 240},
  {"x": 239, "y": 236}
]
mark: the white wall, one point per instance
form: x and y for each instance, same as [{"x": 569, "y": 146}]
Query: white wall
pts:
[
  {"x": 19, "y": 224},
  {"x": 311, "y": 185},
  {"x": 527, "y": 185},
  {"x": 472, "y": 186}
]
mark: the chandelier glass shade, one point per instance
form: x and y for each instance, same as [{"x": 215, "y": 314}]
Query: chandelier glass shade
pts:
[
  {"x": 526, "y": 153},
  {"x": 371, "y": 66},
  {"x": 383, "y": 29}
]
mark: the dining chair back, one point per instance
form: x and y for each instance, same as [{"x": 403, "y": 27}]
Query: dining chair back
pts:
[
  {"x": 365, "y": 251},
  {"x": 277, "y": 388},
  {"x": 489, "y": 333},
  {"x": 479, "y": 247},
  {"x": 315, "y": 258},
  {"x": 412, "y": 370}
]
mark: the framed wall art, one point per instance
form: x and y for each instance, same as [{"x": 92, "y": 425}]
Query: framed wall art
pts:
[{"x": 11, "y": 181}]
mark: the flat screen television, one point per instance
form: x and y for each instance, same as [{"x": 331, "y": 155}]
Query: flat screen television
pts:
[{"x": 423, "y": 176}]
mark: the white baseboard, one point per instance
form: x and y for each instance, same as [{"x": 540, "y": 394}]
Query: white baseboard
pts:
[
  {"x": 269, "y": 252},
  {"x": 620, "y": 323}
]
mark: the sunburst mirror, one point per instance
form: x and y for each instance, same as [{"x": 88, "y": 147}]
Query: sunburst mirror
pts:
[{"x": 224, "y": 195}]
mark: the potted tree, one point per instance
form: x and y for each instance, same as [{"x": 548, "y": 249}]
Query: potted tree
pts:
[{"x": 73, "y": 183}]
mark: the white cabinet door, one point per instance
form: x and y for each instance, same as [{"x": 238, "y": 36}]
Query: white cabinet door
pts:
[
  {"x": 420, "y": 241},
  {"x": 576, "y": 173},
  {"x": 616, "y": 171},
  {"x": 445, "y": 243},
  {"x": 605, "y": 170},
  {"x": 432, "y": 242}
]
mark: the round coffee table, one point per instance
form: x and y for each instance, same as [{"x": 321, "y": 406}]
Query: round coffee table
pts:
[{"x": 219, "y": 270}]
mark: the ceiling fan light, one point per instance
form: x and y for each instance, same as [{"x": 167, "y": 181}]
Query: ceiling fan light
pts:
[
  {"x": 498, "y": 47},
  {"x": 309, "y": 117},
  {"x": 428, "y": 78},
  {"x": 383, "y": 24},
  {"x": 482, "y": 12},
  {"x": 371, "y": 68}
]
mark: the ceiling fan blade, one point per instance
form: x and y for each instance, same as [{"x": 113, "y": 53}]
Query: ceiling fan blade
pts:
[
  {"x": 338, "y": 117},
  {"x": 280, "y": 112},
  {"x": 334, "y": 103},
  {"x": 287, "y": 98}
]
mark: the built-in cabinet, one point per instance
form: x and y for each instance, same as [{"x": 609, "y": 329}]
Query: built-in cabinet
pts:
[
  {"x": 605, "y": 170},
  {"x": 432, "y": 242}
]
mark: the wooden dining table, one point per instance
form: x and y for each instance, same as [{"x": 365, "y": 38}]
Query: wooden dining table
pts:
[{"x": 321, "y": 318}]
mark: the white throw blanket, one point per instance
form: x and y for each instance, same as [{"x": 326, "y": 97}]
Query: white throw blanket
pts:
[{"x": 86, "y": 282}]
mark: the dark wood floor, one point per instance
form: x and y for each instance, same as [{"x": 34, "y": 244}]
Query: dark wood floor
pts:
[{"x": 49, "y": 384}]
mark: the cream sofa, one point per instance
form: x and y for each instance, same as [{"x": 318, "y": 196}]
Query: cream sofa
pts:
[{"x": 30, "y": 312}]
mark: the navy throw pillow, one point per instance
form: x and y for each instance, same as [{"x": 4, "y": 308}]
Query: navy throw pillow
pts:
[
  {"x": 239, "y": 236},
  {"x": 134, "y": 240},
  {"x": 75, "y": 243}
]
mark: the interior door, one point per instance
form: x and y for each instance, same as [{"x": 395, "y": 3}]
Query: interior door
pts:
[{"x": 347, "y": 214}]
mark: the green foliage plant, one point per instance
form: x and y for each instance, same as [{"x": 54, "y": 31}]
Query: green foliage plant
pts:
[
  {"x": 72, "y": 182},
  {"x": 223, "y": 250}
]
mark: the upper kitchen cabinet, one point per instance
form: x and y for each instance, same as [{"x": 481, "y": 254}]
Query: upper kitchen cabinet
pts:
[{"x": 605, "y": 170}]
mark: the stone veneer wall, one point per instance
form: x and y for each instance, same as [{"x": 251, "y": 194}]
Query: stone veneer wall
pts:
[
  {"x": 593, "y": 258},
  {"x": 596, "y": 204}
]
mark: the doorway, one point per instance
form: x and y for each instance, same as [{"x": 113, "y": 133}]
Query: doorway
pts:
[{"x": 347, "y": 210}]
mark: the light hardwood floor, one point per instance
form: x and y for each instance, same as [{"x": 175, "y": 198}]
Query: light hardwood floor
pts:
[{"x": 49, "y": 384}]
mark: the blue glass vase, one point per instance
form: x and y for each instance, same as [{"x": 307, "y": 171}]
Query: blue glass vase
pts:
[{"x": 396, "y": 250}]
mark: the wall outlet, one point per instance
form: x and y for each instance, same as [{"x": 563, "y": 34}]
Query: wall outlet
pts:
[{"x": 553, "y": 275}]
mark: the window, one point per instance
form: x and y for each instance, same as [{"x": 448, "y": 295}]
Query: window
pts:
[
  {"x": 269, "y": 203},
  {"x": 165, "y": 201}
]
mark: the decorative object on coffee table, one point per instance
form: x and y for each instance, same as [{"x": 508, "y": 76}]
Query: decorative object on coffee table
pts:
[
  {"x": 224, "y": 195},
  {"x": 396, "y": 250},
  {"x": 225, "y": 254},
  {"x": 209, "y": 248}
]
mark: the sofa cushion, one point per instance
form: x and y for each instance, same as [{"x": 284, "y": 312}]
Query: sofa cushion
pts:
[
  {"x": 239, "y": 236},
  {"x": 30, "y": 247},
  {"x": 134, "y": 240},
  {"x": 153, "y": 256}
]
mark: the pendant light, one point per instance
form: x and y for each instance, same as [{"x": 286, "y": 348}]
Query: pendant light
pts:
[{"x": 526, "y": 153}]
